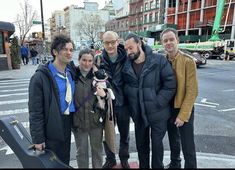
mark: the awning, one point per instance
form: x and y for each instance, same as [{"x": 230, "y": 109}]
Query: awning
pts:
[{"x": 7, "y": 26}]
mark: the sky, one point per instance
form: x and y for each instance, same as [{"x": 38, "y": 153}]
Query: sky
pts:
[{"x": 10, "y": 8}]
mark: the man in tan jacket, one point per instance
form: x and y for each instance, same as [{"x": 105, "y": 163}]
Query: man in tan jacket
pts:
[{"x": 181, "y": 124}]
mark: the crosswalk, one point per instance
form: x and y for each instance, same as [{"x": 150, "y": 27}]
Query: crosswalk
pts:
[{"x": 14, "y": 101}]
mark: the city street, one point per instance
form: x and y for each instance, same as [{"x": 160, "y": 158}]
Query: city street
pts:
[{"x": 214, "y": 113}]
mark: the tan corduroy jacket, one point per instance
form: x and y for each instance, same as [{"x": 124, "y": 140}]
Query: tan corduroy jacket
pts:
[{"x": 187, "y": 84}]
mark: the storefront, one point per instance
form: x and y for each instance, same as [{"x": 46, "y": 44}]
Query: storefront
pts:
[{"x": 6, "y": 30}]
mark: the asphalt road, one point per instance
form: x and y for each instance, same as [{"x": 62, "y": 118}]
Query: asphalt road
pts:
[{"x": 214, "y": 109}]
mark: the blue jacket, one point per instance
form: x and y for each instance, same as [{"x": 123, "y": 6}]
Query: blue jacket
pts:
[{"x": 24, "y": 51}]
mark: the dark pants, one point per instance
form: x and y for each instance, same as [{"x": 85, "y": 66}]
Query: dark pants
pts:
[
  {"x": 25, "y": 59},
  {"x": 142, "y": 135},
  {"x": 185, "y": 136},
  {"x": 62, "y": 148},
  {"x": 123, "y": 124}
]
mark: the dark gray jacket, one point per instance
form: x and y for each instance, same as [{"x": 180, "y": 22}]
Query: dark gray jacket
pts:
[
  {"x": 113, "y": 71},
  {"x": 44, "y": 107},
  {"x": 149, "y": 96}
]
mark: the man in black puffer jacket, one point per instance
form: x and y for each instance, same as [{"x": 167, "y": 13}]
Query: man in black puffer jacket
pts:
[
  {"x": 112, "y": 60},
  {"x": 51, "y": 91},
  {"x": 150, "y": 85}
]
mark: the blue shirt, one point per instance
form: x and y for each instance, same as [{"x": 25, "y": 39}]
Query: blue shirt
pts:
[{"x": 61, "y": 83}]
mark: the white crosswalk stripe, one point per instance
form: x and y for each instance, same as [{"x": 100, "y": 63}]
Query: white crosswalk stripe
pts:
[
  {"x": 13, "y": 86},
  {"x": 10, "y": 83},
  {"x": 12, "y": 112},
  {"x": 15, "y": 80},
  {"x": 14, "y": 94},
  {"x": 13, "y": 90},
  {"x": 13, "y": 101}
]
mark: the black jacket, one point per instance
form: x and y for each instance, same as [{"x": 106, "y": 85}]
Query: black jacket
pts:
[
  {"x": 149, "y": 96},
  {"x": 44, "y": 107},
  {"x": 113, "y": 71}
]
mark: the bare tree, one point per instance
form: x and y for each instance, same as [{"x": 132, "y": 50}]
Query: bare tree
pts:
[
  {"x": 24, "y": 19},
  {"x": 90, "y": 26}
]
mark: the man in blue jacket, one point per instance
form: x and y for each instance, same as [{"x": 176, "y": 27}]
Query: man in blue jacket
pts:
[
  {"x": 51, "y": 105},
  {"x": 149, "y": 84},
  {"x": 24, "y": 54}
]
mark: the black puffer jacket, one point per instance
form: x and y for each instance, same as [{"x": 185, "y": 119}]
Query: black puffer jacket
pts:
[
  {"x": 114, "y": 73},
  {"x": 149, "y": 97},
  {"x": 44, "y": 107}
]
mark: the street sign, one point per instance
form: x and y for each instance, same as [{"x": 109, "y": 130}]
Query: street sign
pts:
[{"x": 37, "y": 22}]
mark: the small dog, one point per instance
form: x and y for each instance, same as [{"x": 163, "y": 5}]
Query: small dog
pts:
[{"x": 100, "y": 79}]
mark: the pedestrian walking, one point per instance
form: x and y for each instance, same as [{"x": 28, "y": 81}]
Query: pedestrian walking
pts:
[
  {"x": 180, "y": 126},
  {"x": 51, "y": 102},
  {"x": 24, "y": 54},
  {"x": 149, "y": 84},
  {"x": 111, "y": 60},
  {"x": 33, "y": 54},
  {"x": 89, "y": 118}
]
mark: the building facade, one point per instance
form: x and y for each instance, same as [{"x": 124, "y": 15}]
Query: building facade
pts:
[
  {"x": 72, "y": 15},
  {"x": 193, "y": 19},
  {"x": 6, "y": 30},
  {"x": 57, "y": 23}
]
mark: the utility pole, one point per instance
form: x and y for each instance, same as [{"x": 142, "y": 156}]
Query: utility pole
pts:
[{"x": 43, "y": 31}]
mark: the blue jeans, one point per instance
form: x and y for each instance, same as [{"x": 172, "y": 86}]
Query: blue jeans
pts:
[{"x": 34, "y": 61}]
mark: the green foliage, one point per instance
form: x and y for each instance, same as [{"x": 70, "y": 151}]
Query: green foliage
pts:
[{"x": 15, "y": 52}]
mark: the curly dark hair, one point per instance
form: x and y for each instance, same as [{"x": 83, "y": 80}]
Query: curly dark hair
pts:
[{"x": 59, "y": 43}]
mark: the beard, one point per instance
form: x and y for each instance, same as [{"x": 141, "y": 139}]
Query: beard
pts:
[{"x": 134, "y": 56}]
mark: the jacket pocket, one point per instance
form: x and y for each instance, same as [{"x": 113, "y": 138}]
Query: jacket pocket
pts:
[
  {"x": 97, "y": 119},
  {"x": 77, "y": 120}
]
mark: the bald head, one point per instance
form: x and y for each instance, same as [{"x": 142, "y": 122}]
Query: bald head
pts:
[
  {"x": 111, "y": 42},
  {"x": 110, "y": 33}
]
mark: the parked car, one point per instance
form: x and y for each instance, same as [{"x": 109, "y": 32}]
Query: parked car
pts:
[{"x": 199, "y": 59}]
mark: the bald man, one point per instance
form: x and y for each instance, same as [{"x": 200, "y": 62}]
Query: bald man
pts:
[{"x": 111, "y": 60}]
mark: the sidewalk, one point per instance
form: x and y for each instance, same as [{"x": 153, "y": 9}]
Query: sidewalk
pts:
[
  {"x": 204, "y": 160},
  {"x": 25, "y": 71}
]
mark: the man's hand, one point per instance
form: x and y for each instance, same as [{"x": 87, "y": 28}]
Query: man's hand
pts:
[
  {"x": 178, "y": 122},
  {"x": 100, "y": 91},
  {"x": 40, "y": 147}
]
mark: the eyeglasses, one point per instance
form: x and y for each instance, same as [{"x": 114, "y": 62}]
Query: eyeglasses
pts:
[{"x": 113, "y": 42}]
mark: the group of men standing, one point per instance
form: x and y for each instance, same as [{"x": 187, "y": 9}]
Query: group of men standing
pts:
[{"x": 158, "y": 92}]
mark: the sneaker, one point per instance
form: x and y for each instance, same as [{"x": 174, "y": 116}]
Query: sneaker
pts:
[
  {"x": 172, "y": 165},
  {"x": 109, "y": 164},
  {"x": 125, "y": 165}
]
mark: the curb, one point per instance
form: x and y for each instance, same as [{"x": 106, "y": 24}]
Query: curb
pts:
[{"x": 204, "y": 160}]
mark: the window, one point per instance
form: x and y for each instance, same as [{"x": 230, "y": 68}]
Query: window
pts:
[
  {"x": 157, "y": 3},
  {"x": 145, "y": 19},
  {"x": 152, "y": 5},
  {"x": 150, "y": 18},
  {"x": 1, "y": 43},
  {"x": 146, "y": 6}
]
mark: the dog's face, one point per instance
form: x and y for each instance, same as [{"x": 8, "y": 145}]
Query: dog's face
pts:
[
  {"x": 100, "y": 74},
  {"x": 101, "y": 84}
]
